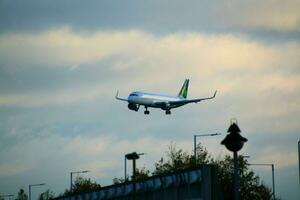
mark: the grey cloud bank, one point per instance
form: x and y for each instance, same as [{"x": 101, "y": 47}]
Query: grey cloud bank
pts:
[{"x": 265, "y": 19}]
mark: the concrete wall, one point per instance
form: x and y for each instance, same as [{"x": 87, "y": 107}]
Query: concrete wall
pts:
[{"x": 193, "y": 184}]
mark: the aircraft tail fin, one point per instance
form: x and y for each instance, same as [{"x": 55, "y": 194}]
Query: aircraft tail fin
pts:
[{"x": 184, "y": 89}]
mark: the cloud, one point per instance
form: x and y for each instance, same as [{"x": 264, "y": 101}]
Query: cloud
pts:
[
  {"x": 75, "y": 123},
  {"x": 155, "y": 15},
  {"x": 246, "y": 63},
  {"x": 270, "y": 15}
]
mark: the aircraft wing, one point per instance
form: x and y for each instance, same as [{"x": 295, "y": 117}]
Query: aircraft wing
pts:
[
  {"x": 186, "y": 101},
  {"x": 118, "y": 98}
]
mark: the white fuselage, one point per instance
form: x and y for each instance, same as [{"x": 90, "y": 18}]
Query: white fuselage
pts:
[{"x": 151, "y": 100}]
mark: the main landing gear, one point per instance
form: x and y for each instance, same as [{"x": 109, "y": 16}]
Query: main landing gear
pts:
[
  {"x": 168, "y": 112},
  {"x": 146, "y": 112}
]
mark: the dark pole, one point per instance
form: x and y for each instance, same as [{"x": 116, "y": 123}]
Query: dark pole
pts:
[
  {"x": 133, "y": 178},
  {"x": 33, "y": 186},
  {"x": 125, "y": 168},
  {"x": 195, "y": 143},
  {"x": 71, "y": 183},
  {"x": 235, "y": 176},
  {"x": 234, "y": 142},
  {"x": 29, "y": 194},
  {"x": 299, "y": 160},
  {"x": 273, "y": 181},
  {"x": 195, "y": 150},
  {"x": 133, "y": 156},
  {"x": 273, "y": 176},
  {"x": 71, "y": 176}
]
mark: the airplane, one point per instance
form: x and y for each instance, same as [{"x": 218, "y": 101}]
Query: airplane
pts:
[{"x": 164, "y": 102}]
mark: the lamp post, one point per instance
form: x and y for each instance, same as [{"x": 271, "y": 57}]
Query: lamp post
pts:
[
  {"x": 71, "y": 177},
  {"x": 33, "y": 185},
  {"x": 273, "y": 179},
  {"x": 195, "y": 142},
  {"x": 133, "y": 156},
  {"x": 234, "y": 142},
  {"x": 299, "y": 160},
  {"x": 125, "y": 163}
]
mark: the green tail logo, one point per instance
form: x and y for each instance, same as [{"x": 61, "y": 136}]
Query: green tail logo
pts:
[{"x": 184, "y": 90}]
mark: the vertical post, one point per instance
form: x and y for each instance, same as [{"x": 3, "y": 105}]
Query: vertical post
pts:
[
  {"x": 133, "y": 179},
  {"x": 273, "y": 182},
  {"x": 195, "y": 149},
  {"x": 71, "y": 183},
  {"x": 125, "y": 169},
  {"x": 29, "y": 193},
  {"x": 299, "y": 160},
  {"x": 235, "y": 176}
]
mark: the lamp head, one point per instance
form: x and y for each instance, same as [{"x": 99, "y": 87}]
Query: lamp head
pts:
[{"x": 234, "y": 141}]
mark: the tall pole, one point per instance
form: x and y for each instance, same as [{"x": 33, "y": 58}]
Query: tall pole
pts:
[
  {"x": 133, "y": 178},
  {"x": 71, "y": 177},
  {"x": 273, "y": 181},
  {"x": 195, "y": 150},
  {"x": 71, "y": 182},
  {"x": 195, "y": 143},
  {"x": 299, "y": 160},
  {"x": 273, "y": 175},
  {"x": 235, "y": 176},
  {"x": 125, "y": 168},
  {"x": 29, "y": 193}
]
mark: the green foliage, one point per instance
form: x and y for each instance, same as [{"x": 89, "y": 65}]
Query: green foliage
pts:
[
  {"x": 141, "y": 174},
  {"x": 82, "y": 185},
  {"x": 47, "y": 195},
  {"x": 250, "y": 186},
  {"x": 179, "y": 159},
  {"x": 22, "y": 195}
]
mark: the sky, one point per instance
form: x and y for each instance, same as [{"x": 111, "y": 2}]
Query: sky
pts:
[{"x": 62, "y": 61}]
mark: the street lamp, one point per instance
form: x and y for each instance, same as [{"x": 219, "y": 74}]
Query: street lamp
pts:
[
  {"x": 125, "y": 163},
  {"x": 273, "y": 181},
  {"x": 234, "y": 142},
  {"x": 71, "y": 176},
  {"x": 133, "y": 156},
  {"x": 33, "y": 185},
  {"x": 195, "y": 142}
]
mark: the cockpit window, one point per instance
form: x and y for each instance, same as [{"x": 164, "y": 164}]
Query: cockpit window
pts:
[{"x": 134, "y": 95}]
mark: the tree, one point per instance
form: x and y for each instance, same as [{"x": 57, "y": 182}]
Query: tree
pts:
[
  {"x": 22, "y": 195},
  {"x": 82, "y": 185},
  {"x": 250, "y": 186},
  {"x": 179, "y": 159},
  {"x": 141, "y": 174},
  {"x": 47, "y": 195}
]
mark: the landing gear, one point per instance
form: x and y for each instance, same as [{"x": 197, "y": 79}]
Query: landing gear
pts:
[
  {"x": 137, "y": 108},
  {"x": 146, "y": 112},
  {"x": 168, "y": 112}
]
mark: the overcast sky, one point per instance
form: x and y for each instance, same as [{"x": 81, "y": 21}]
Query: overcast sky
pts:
[{"x": 62, "y": 61}]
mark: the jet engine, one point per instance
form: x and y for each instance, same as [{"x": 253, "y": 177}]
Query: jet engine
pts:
[{"x": 132, "y": 106}]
